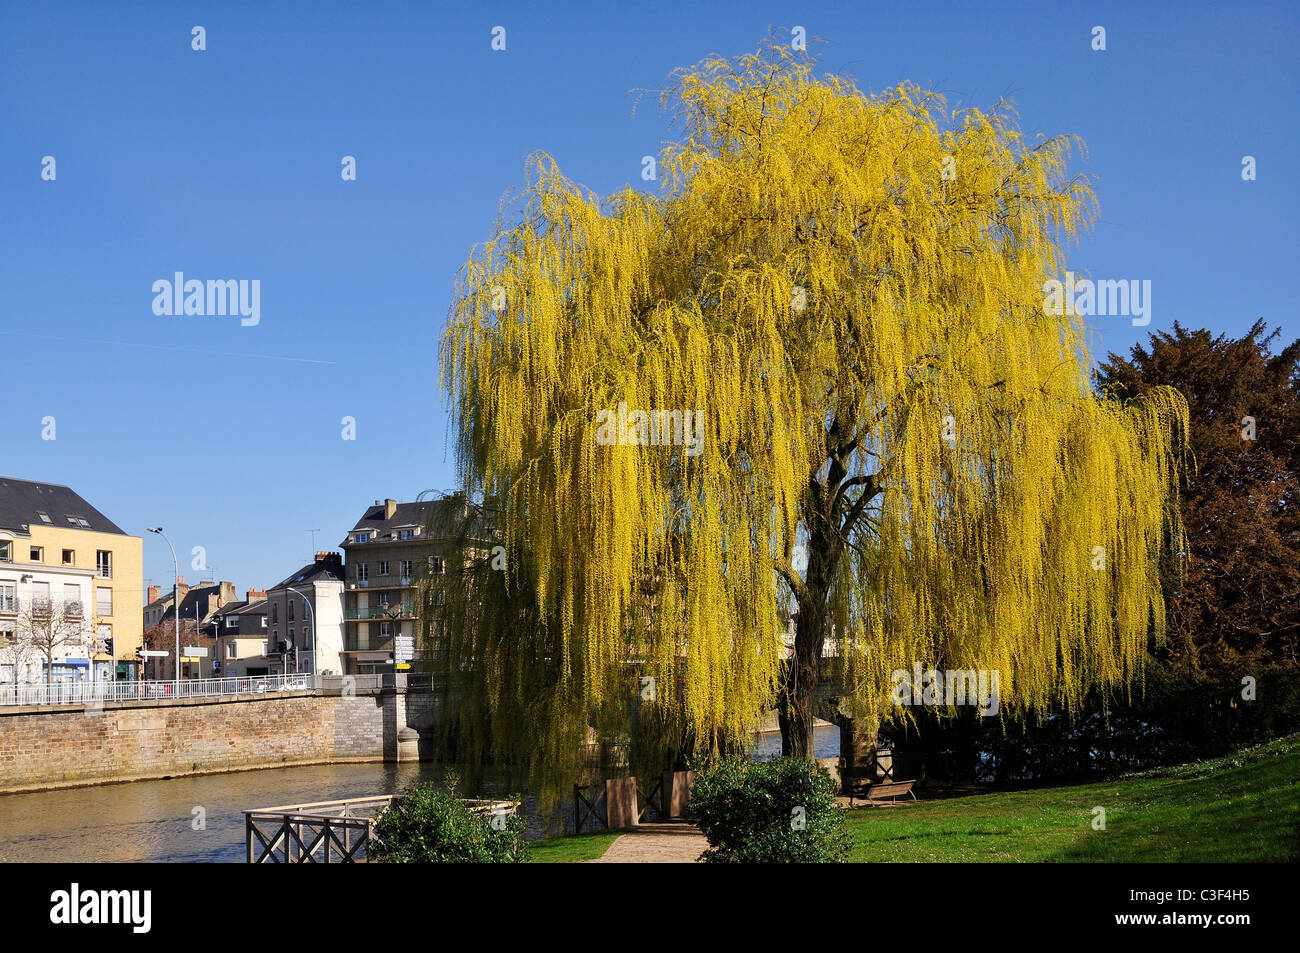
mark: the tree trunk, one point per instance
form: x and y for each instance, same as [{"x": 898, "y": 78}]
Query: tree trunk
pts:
[{"x": 800, "y": 677}]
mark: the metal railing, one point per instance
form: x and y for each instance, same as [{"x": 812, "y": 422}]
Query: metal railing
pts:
[
  {"x": 88, "y": 692},
  {"x": 382, "y": 613}
]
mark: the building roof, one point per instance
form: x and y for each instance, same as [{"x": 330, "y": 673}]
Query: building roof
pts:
[
  {"x": 23, "y": 501},
  {"x": 440, "y": 518},
  {"x": 318, "y": 571}
]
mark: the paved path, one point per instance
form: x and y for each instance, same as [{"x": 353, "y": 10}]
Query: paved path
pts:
[{"x": 656, "y": 844}]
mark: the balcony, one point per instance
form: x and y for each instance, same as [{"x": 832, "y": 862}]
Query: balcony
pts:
[
  {"x": 41, "y": 608},
  {"x": 372, "y": 643},
  {"x": 380, "y": 613}
]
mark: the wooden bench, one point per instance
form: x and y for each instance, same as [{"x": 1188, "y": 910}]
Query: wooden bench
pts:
[{"x": 893, "y": 790}]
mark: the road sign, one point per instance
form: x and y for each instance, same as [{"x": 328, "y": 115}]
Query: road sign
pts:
[
  {"x": 193, "y": 651},
  {"x": 149, "y": 654},
  {"x": 403, "y": 648},
  {"x": 403, "y": 667}
]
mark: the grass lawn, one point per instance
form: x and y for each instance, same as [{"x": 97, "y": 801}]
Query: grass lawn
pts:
[
  {"x": 1245, "y": 807},
  {"x": 569, "y": 850}
]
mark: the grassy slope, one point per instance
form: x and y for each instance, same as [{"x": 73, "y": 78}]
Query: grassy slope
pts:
[
  {"x": 568, "y": 850},
  {"x": 1242, "y": 808}
]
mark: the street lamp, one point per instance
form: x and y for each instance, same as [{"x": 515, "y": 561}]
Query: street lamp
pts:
[
  {"x": 311, "y": 616},
  {"x": 176, "y": 605}
]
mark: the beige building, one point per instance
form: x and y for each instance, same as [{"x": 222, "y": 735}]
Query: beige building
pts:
[
  {"x": 55, "y": 547},
  {"x": 391, "y": 550}
]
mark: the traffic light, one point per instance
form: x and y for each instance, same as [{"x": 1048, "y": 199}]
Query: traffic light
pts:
[
  {"x": 139, "y": 652},
  {"x": 108, "y": 646}
]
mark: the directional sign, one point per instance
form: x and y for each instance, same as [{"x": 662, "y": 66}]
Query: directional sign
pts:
[
  {"x": 194, "y": 651},
  {"x": 403, "y": 648},
  {"x": 149, "y": 654}
]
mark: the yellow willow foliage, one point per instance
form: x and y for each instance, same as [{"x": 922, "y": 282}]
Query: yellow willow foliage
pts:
[{"x": 848, "y": 290}]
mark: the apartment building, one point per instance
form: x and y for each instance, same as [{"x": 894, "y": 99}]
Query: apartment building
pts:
[
  {"x": 305, "y": 619},
  {"x": 58, "y": 550},
  {"x": 238, "y": 637},
  {"x": 198, "y": 603},
  {"x": 390, "y": 550}
]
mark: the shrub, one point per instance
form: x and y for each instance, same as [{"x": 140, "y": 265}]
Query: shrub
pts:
[
  {"x": 778, "y": 811},
  {"x": 430, "y": 825}
]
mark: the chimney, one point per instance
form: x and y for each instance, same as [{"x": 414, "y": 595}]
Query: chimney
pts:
[
  {"x": 155, "y": 593},
  {"x": 255, "y": 594},
  {"x": 330, "y": 560},
  {"x": 390, "y": 507}
]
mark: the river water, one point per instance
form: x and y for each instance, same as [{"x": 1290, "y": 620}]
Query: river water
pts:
[{"x": 154, "y": 821}]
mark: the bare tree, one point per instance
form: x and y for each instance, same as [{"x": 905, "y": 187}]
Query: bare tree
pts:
[
  {"x": 14, "y": 653},
  {"x": 46, "y": 625}
]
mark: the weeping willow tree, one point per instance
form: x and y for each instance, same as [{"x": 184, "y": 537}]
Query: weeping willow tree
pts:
[{"x": 883, "y": 426}]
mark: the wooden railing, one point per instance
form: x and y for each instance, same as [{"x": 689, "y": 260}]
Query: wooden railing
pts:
[
  {"x": 327, "y": 832},
  {"x": 324, "y": 832}
]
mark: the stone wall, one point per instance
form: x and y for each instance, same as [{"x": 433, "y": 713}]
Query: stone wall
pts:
[{"x": 66, "y": 745}]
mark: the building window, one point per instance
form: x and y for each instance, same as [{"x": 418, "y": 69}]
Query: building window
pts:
[
  {"x": 232, "y": 650},
  {"x": 405, "y": 567},
  {"x": 385, "y": 629},
  {"x": 8, "y": 597},
  {"x": 383, "y": 568},
  {"x": 37, "y": 554},
  {"x": 71, "y": 599},
  {"x": 69, "y": 557},
  {"x": 104, "y": 639},
  {"x": 383, "y": 599},
  {"x": 104, "y": 563},
  {"x": 6, "y": 551},
  {"x": 103, "y": 601},
  {"x": 406, "y": 534},
  {"x": 363, "y": 572},
  {"x": 275, "y": 613},
  {"x": 290, "y": 615},
  {"x": 45, "y": 517},
  {"x": 437, "y": 566},
  {"x": 264, "y": 622},
  {"x": 232, "y": 622},
  {"x": 266, "y": 646},
  {"x": 361, "y": 538}
]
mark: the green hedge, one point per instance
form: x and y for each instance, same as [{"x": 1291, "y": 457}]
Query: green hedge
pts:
[
  {"x": 778, "y": 811},
  {"x": 430, "y": 825}
]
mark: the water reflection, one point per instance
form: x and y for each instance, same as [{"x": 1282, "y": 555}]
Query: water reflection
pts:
[{"x": 153, "y": 821}]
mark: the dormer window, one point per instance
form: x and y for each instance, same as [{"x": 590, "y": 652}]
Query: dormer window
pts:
[
  {"x": 45, "y": 517},
  {"x": 361, "y": 538}
]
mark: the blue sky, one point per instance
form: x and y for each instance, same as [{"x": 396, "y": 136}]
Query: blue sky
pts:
[{"x": 225, "y": 164}]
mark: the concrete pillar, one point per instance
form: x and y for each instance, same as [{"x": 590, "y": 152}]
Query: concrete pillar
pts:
[
  {"x": 621, "y": 806},
  {"x": 677, "y": 792},
  {"x": 857, "y": 754},
  {"x": 408, "y": 744}
]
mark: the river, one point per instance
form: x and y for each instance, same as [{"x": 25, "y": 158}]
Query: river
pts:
[{"x": 156, "y": 821}]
